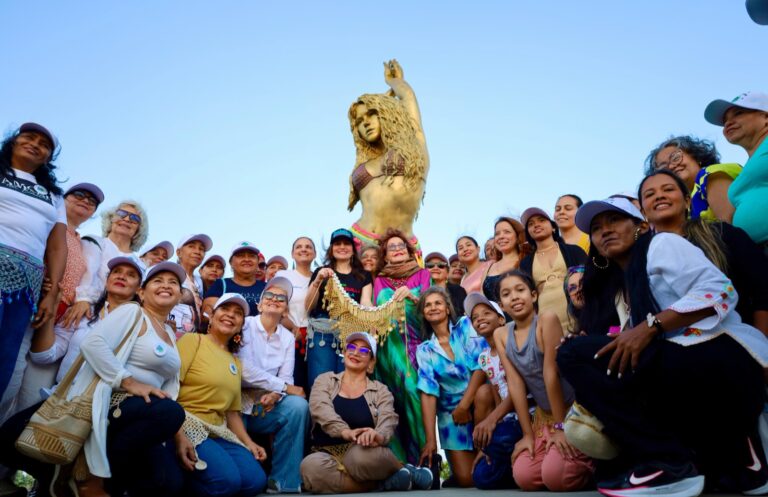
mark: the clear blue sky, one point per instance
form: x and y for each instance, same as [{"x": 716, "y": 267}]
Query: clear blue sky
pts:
[{"x": 229, "y": 118}]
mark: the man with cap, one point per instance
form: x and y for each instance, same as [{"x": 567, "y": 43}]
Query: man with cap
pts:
[
  {"x": 190, "y": 252},
  {"x": 438, "y": 267},
  {"x": 244, "y": 261},
  {"x": 745, "y": 123},
  {"x": 271, "y": 403},
  {"x": 157, "y": 253}
]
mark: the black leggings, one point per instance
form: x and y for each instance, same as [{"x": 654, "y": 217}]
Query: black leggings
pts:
[{"x": 697, "y": 403}]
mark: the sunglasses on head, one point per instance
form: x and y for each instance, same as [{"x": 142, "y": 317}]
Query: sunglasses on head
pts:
[
  {"x": 441, "y": 265},
  {"x": 122, "y": 214},
  {"x": 82, "y": 195},
  {"x": 352, "y": 348},
  {"x": 278, "y": 297}
]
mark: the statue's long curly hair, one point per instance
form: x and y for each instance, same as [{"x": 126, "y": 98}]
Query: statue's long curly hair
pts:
[{"x": 398, "y": 133}]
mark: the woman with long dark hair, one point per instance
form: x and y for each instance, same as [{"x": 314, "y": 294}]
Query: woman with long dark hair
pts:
[
  {"x": 680, "y": 349},
  {"x": 468, "y": 252},
  {"x": 665, "y": 200},
  {"x": 33, "y": 227},
  {"x": 342, "y": 260},
  {"x": 549, "y": 262},
  {"x": 565, "y": 216}
]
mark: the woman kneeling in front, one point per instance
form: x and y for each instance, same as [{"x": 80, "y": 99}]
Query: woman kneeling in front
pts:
[{"x": 354, "y": 418}]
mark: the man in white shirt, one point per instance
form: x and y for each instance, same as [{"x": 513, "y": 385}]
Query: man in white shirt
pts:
[{"x": 271, "y": 403}]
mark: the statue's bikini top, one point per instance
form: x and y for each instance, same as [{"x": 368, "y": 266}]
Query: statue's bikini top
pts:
[{"x": 394, "y": 165}]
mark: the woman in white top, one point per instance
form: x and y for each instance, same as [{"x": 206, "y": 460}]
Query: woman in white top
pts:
[
  {"x": 60, "y": 343},
  {"x": 124, "y": 228},
  {"x": 303, "y": 253},
  {"x": 666, "y": 360},
  {"x": 33, "y": 227}
]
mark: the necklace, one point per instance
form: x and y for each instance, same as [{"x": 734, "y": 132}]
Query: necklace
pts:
[{"x": 546, "y": 249}]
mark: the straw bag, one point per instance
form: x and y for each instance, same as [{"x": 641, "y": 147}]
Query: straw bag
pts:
[{"x": 57, "y": 431}]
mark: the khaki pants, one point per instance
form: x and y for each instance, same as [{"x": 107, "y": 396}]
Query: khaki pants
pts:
[{"x": 365, "y": 468}]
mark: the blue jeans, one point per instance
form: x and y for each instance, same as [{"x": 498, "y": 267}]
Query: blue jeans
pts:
[
  {"x": 494, "y": 471},
  {"x": 289, "y": 421},
  {"x": 322, "y": 356},
  {"x": 14, "y": 321},
  {"x": 232, "y": 471}
]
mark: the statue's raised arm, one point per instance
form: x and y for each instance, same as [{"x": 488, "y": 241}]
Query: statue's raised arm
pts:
[{"x": 391, "y": 162}]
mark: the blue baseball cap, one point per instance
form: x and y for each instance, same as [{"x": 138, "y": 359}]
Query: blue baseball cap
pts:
[{"x": 342, "y": 233}]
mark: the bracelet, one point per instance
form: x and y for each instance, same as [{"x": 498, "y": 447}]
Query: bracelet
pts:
[{"x": 558, "y": 426}]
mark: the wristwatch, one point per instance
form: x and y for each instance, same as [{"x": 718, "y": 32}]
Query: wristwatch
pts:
[{"x": 654, "y": 322}]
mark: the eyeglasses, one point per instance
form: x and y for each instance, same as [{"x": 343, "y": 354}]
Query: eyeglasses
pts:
[
  {"x": 122, "y": 214},
  {"x": 431, "y": 265},
  {"x": 352, "y": 348},
  {"x": 674, "y": 159},
  {"x": 87, "y": 197},
  {"x": 277, "y": 297},
  {"x": 397, "y": 246}
]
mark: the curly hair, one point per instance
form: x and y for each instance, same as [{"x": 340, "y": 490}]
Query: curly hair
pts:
[
  {"x": 392, "y": 233},
  {"x": 703, "y": 151},
  {"x": 398, "y": 133},
  {"x": 140, "y": 238},
  {"x": 44, "y": 175}
]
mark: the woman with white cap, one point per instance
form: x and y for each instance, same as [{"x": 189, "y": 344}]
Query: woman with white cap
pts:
[
  {"x": 213, "y": 446},
  {"x": 124, "y": 230},
  {"x": 32, "y": 229},
  {"x": 272, "y": 404},
  {"x": 186, "y": 315},
  {"x": 678, "y": 345},
  {"x": 211, "y": 270},
  {"x": 244, "y": 261},
  {"x": 157, "y": 253},
  {"x": 353, "y": 420},
  {"x": 549, "y": 262},
  {"x": 274, "y": 264},
  {"x": 48, "y": 347}
]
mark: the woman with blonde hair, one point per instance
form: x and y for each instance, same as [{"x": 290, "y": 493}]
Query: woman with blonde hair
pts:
[
  {"x": 124, "y": 229},
  {"x": 391, "y": 160}
]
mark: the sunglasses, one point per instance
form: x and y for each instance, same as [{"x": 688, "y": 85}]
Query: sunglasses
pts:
[
  {"x": 262, "y": 265},
  {"x": 122, "y": 214},
  {"x": 431, "y": 265},
  {"x": 352, "y": 348},
  {"x": 87, "y": 197},
  {"x": 397, "y": 246},
  {"x": 278, "y": 297}
]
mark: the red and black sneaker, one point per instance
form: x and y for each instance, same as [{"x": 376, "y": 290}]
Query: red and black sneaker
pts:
[{"x": 655, "y": 479}]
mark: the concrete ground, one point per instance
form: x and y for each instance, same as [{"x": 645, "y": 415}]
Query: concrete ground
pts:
[{"x": 463, "y": 492}]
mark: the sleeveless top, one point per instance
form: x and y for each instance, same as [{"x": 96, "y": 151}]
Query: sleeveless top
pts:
[
  {"x": 394, "y": 165},
  {"x": 549, "y": 284},
  {"x": 529, "y": 362}
]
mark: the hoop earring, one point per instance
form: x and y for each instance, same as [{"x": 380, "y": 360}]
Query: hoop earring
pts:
[
  {"x": 598, "y": 266},
  {"x": 637, "y": 233}
]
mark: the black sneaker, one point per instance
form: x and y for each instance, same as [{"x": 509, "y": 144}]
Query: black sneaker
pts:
[
  {"x": 656, "y": 479},
  {"x": 754, "y": 480}
]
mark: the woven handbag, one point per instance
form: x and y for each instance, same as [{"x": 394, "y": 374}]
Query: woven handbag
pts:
[{"x": 57, "y": 431}]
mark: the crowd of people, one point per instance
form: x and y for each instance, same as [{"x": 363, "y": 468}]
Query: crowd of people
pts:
[{"x": 618, "y": 344}]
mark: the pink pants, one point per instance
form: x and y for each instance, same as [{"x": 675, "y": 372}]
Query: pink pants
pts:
[{"x": 549, "y": 470}]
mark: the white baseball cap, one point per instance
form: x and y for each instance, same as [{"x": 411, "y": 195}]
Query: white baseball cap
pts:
[
  {"x": 165, "y": 266},
  {"x": 588, "y": 211},
  {"x": 214, "y": 257},
  {"x": 243, "y": 245},
  {"x": 129, "y": 260},
  {"x": 165, "y": 244},
  {"x": 280, "y": 282},
  {"x": 236, "y": 298},
  {"x": 476, "y": 298},
  {"x": 366, "y": 337},
  {"x": 200, "y": 237},
  {"x": 715, "y": 111}
]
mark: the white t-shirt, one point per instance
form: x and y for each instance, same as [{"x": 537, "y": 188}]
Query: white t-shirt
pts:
[
  {"x": 28, "y": 212},
  {"x": 300, "y": 284}
]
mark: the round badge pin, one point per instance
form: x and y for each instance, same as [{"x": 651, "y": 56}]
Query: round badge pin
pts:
[
  {"x": 232, "y": 368},
  {"x": 201, "y": 465},
  {"x": 160, "y": 350}
]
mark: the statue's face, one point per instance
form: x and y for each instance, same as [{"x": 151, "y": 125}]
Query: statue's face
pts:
[{"x": 367, "y": 123}]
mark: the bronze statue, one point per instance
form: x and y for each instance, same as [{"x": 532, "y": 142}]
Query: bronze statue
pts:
[{"x": 391, "y": 164}]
